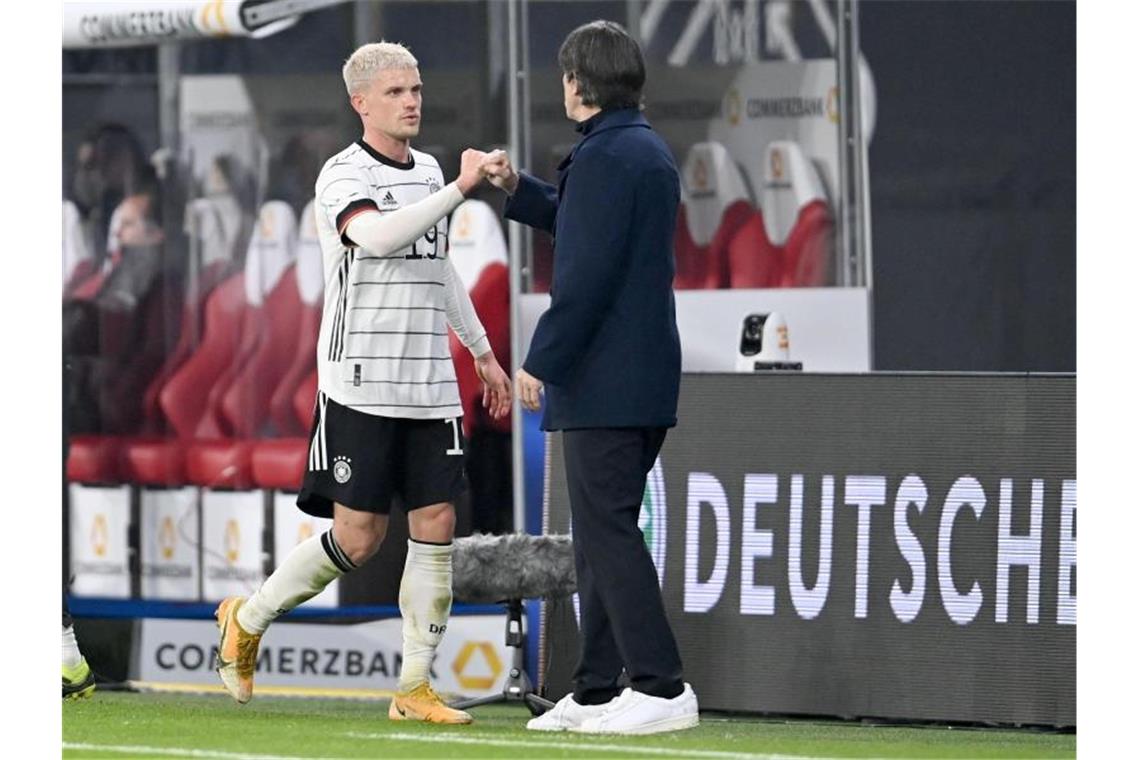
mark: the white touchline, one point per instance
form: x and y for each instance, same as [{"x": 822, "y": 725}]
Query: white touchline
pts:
[
  {"x": 134, "y": 749},
  {"x": 492, "y": 740}
]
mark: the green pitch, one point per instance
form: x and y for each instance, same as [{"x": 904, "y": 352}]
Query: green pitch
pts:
[{"x": 175, "y": 725}]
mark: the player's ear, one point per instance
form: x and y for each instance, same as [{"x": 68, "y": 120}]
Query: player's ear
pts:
[{"x": 358, "y": 103}]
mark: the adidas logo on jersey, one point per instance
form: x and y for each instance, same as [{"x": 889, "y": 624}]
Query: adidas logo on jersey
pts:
[{"x": 389, "y": 200}]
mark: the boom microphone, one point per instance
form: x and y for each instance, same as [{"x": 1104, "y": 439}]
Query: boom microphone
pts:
[{"x": 488, "y": 568}]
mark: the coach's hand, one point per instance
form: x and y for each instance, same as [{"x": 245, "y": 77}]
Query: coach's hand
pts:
[
  {"x": 529, "y": 389},
  {"x": 496, "y": 386},
  {"x": 470, "y": 170},
  {"x": 497, "y": 168}
]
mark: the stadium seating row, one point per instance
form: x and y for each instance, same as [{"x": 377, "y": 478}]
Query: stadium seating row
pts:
[{"x": 237, "y": 391}]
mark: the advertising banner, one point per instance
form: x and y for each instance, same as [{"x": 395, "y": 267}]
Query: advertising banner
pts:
[
  {"x": 472, "y": 660},
  {"x": 232, "y": 528},
  {"x": 123, "y": 23},
  {"x": 893, "y": 546},
  {"x": 100, "y": 555},
  {"x": 291, "y": 526},
  {"x": 169, "y": 560}
]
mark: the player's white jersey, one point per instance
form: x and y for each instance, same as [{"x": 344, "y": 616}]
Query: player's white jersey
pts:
[{"x": 383, "y": 345}]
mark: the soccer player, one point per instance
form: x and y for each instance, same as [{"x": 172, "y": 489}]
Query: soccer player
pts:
[{"x": 386, "y": 421}]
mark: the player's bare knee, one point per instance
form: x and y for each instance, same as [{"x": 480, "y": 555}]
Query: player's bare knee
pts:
[
  {"x": 359, "y": 534},
  {"x": 360, "y": 542},
  {"x": 435, "y": 523}
]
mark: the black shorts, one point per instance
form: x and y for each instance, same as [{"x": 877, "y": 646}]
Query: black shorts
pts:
[{"x": 362, "y": 461}]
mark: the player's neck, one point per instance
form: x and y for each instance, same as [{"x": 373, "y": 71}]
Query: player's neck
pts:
[{"x": 397, "y": 149}]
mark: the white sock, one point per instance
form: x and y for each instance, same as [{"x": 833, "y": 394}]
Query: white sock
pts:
[
  {"x": 313, "y": 564},
  {"x": 425, "y": 604},
  {"x": 71, "y": 655}
]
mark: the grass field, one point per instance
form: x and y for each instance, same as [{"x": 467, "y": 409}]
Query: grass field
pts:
[{"x": 276, "y": 728}]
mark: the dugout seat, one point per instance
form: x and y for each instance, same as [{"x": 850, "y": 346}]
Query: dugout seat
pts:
[
  {"x": 240, "y": 402},
  {"x": 279, "y": 464},
  {"x": 797, "y": 214},
  {"x": 714, "y": 205},
  {"x": 310, "y": 287},
  {"x": 789, "y": 241},
  {"x": 479, "y": 253},
  {"x": 183, "y": 399}
]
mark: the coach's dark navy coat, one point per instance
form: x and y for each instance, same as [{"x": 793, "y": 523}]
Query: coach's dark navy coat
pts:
[{"x": 607, "y": 350}]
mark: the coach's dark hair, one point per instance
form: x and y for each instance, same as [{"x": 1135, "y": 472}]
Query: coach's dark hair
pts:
[{"x": 606, "y": 63}]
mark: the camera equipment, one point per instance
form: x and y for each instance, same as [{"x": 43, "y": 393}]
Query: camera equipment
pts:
[{"x": 764, "y": 344}]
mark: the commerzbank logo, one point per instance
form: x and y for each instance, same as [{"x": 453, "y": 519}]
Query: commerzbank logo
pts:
[
  {"x": 652, "y": 520},
  {"x": 167, "y": 538},
  {"x": 233, "y": 541},
  {"x": 99, "y": 535},
  {"x": 733, "y": 106},
  {"x": 477, "y": 672}
]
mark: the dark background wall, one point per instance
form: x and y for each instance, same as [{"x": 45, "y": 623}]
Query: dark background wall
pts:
[{"x": 973, "y": 184}]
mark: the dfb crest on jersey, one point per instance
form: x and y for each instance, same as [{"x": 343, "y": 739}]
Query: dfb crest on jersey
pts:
[
  {"x": 433, "y": 185},
  {"x": 342, "y": 469}
]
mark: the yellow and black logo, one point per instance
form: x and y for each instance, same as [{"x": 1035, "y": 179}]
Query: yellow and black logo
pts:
[
  {"x": 233, "y": 541},
  {"x": 99, "y": 537},
  {"x": 166, "y": 538},
  {"x": 732, "y": 106},
  {"x": 833, "y": 105}
]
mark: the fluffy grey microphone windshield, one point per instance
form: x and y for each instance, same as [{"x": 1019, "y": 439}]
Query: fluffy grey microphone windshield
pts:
[{"x": 489, "y": 568}]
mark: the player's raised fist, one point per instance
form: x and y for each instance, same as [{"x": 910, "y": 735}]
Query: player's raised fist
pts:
[{"x": 470, "y": 173}]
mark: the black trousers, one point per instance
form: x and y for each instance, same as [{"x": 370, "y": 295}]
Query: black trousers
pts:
[{"x": 623, "y": 621}]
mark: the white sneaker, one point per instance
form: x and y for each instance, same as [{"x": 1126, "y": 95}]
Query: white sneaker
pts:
[
  {"x": 566, "y": 714},
  {"x": 636, "y": 713}
]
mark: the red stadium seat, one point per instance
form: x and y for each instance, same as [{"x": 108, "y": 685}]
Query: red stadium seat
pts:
[
  {"x": 310, "y": 287},
  {"x": 154, "y": 423},
  {"x": 753, "y": 261},
  {"x": 715, "y": 205},
  {"x": 183, "y": 399},
  {"x": 239, "y": 402},
  {"x": 790, "y": 242},
  {"x": 305, "y": 400},
  {"x": 94, "y": 459},
  {"x": 807, "y": 254},
  {"x": 479, "y": 254},
  {"x": 280, "y": 464}
]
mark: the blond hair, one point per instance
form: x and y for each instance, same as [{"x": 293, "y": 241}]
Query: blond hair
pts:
[{"x": 362, "y": 66}]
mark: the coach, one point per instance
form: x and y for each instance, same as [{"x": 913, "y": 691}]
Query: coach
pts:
[{"x": 609, "y": 358}]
